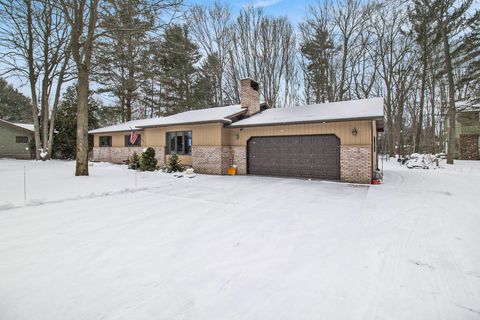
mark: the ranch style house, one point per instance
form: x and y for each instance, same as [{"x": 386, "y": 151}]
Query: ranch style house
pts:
[{"x": 334, "y": 141}]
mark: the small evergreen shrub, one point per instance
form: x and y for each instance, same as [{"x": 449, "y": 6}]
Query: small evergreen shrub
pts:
[
  {"x": 148, "y": 161},
  {"x": 134, "y": 161},
  {"x": 174, "y": 164}
]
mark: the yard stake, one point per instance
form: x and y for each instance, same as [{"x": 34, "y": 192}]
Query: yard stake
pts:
[
  {"x": 136, "y": 176},
  {"x": 25, "y": 183}
]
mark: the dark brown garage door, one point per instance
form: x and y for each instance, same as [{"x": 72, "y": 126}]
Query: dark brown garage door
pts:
[{"x": 295, "y": 156}]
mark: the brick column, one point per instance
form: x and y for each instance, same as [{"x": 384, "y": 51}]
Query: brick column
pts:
[
  {"x": 207, "y": 159},
  {"x": 356, "y": 164},
  {"x": 240, "y": 158}
]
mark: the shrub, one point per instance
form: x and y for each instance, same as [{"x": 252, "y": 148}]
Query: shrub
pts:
[
  {"x": 148, "y": 161},
  {"x": 174, "y": 164},
  {"x": 134, "y": 161}
]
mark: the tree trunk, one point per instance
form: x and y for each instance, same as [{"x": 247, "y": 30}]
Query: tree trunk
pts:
[
  {"x": 451, "y": 96},
  {"x": 45, "y": 113},
  {"x": 33, "y": 80},
  {"x": 55, "y": 104},
  {"x": 82, "y": 123},
  {"x": 432, "y": 128},
  {"x": 418, "y": 132}
]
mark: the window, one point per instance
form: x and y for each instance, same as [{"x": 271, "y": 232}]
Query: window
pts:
[
  {"x": 179, "y": 142},
  {"x": 137, "y": 143},
  {"x": 105, "y": 141},
  {"x": 21, "y": 139}
]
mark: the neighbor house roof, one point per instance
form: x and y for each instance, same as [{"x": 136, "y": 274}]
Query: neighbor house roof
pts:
[
  {"x": 466, "y": 106},
  {"x": 218, "y": 114},
  {"x": 325, "y": 112},
  {"x": 25, "y": 126}
]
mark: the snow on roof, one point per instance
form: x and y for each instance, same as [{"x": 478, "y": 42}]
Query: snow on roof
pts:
[
  {"x": 25, "y": 126},
  {"x": 218, "y": 114},
  {"x": 466, "y": 106},
  {"x": 344, "y": 110},
  {"x": 124, "y": 126}
]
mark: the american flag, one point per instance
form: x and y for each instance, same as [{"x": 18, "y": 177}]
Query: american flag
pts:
[{"x": 133, "y": 137}]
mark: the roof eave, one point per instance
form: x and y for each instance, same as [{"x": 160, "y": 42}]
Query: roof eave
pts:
[
  {"x": 16, "y": 126},
  {"x": 185, "y": 123},
  {"x": 113, "y": 131},
  {"x": 236, "y": 125}
]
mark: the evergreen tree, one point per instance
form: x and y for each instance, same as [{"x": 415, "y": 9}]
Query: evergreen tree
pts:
[
  {"x": 180, "y": 79},
  {"x": 208, "y": 84},
  {"x": 65, "y": 138},
  {"x": 14, "y": 106},
  {"x": 317, "y": 48},
  {"x": 148, "y": 161},
  {"x": 122, "y": 54},
  {"x": 174, "y": 164}
]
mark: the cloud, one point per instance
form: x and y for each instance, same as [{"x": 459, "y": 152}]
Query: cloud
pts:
[{"x": 262, "y": 3}]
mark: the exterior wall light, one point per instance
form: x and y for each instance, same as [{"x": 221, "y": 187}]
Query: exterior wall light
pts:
[{"x": 354, "y": 131}]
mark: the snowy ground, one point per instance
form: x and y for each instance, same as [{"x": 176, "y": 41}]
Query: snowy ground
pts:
[{"x": 218, "y": 247}]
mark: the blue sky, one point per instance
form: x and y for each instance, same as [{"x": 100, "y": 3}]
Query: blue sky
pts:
[{"x": 293, "y": 9}]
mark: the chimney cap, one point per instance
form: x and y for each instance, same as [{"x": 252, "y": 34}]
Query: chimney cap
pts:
[
  {"x": 253, "y": 83},
  {"x": 249, "y": 78}
]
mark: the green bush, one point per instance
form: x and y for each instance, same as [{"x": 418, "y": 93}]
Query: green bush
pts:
[
  {"x": 174, "y": 164},
  {"x": 134, "y": 161},
  {"x": 148, "y": 161}
]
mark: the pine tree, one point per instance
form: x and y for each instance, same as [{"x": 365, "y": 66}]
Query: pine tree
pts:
[
  {"x": 134, "y": 161},
  {"x": 14, "y": 106},
  {"x": 208, "y": 83},
  {"x": 65, "y": 139},
  {"x": 178, "y": 56},
  {"x": 122, "y": 53},
  {"x": 317, "y": 48},
  {"x": 174, "y": 164},
  {"x": 148, "y": 161}
]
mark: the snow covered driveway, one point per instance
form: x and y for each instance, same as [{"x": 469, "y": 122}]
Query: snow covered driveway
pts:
[{"x": 217, "y": 247}]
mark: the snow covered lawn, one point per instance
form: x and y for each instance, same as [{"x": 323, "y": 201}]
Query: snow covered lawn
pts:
[{"x": 219, "y": 247}]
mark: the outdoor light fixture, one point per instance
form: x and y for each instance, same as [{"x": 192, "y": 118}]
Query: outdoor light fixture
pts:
[
  {"x": 354, "y": 131},
  {"x": 237, "y": 136}
]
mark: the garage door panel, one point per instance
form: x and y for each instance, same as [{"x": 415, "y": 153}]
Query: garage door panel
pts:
[{"x": 316, "y": 156}]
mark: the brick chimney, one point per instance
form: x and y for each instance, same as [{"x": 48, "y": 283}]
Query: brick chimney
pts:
[{"x": 250, "y": 96}]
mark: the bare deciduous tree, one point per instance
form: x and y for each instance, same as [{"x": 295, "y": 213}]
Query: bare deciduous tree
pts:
[
  {"x": 35, "y": 40},
  {"x": 82, "y": 16}
]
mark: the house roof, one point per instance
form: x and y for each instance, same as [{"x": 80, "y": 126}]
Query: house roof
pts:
[
  {"x": 25, "y": 126},
  {"x": 466, "y": 106},
  {"x": 124, "y": 126},
  {"x": 326, "y": 112},
  {"x": 218, "y": 114}
]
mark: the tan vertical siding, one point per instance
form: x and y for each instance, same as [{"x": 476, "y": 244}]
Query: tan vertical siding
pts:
[
  {"x": 118, "y": 138},
  {"x": 214, "y": 134},
  {"x": 202, "y": 134},
  {"x": 343, "y": 130}
]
